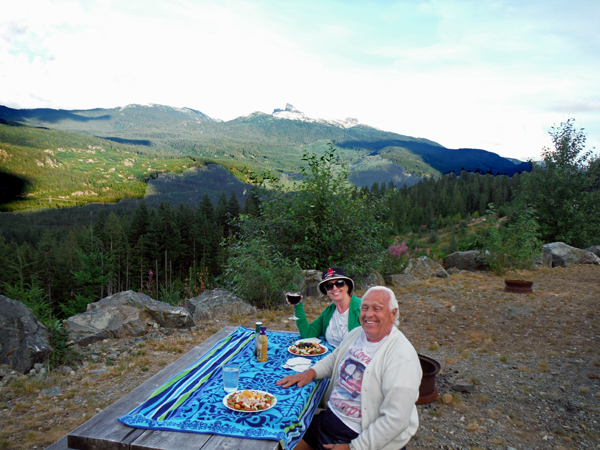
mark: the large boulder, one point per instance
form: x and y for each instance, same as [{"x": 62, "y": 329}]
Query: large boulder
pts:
[
  {"x": 423, "y": 268},
  {"x": 218, "y": 303},
  {"x": 126, "y": 313},
  {"x": 470, "y": 260},
  {"x": 564, "y": 255},
  {"x": 24, "y": 340}
]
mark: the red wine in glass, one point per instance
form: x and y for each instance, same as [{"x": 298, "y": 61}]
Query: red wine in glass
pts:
[{"x": 294, "y": 298}]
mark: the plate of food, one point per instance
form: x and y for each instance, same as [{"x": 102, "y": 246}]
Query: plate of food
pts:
[
  {"x": 307, "y": 348},
  {"x": 249, "y": 400}
]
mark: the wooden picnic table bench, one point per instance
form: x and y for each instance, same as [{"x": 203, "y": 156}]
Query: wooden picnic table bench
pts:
[{"x": 104, "y": 431}]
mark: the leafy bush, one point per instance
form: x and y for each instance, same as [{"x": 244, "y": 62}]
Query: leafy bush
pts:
[
  {"x": 564, "y": 190},
  {"x": 325, "y": 221},
  {"x": 512, "y": 245},
  {"x": 256, "y": 272}
]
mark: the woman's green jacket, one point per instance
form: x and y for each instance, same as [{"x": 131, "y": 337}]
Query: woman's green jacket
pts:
[{"x": 318, "y": 327}]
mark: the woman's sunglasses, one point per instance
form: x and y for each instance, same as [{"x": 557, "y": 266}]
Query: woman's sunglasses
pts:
[{"x": 338, "y": 284}]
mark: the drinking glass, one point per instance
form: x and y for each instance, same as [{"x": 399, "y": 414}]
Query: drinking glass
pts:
[
  {"x": 294, "y": 298},
  {"x": 231, "y": 377}
]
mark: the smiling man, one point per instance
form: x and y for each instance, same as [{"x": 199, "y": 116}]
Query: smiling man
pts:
[{"x": 375, "y": 376}]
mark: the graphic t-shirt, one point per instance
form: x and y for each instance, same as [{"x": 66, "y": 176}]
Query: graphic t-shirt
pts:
[
  {"x": 337, "y": 328},
  {"x": 345, "y": 400}
]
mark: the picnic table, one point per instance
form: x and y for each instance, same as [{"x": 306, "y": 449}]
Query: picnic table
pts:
[{"x": 104, "y": 431}]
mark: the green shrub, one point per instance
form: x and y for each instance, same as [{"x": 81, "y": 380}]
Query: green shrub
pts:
[
  {"x": 62, "y": 354},
  {"x": 256, "y": 272},
  {"x": 512, "y": 245}
]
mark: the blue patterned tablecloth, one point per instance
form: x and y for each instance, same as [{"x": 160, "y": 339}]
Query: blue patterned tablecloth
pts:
[{"x": 192, "y": 401}]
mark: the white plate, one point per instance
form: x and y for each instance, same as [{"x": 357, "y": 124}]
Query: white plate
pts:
[
  {"x": 249, "y": 411},
  {"x": 310, "y": 340},
  {"x": 309, "y": 356}
]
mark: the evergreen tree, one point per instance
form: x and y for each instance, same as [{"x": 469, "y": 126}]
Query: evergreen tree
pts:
[
  {"x": 46, "y": 264},
  {"x": 252, "y": 206},
  {"x": 222, "y": 215},
  {"x": 233, "y": 210}
]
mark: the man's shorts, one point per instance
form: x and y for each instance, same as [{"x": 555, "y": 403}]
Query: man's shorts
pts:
[{"x": 326, "y": 428}]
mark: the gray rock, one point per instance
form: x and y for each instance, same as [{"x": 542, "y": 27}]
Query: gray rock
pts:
[
  {"x": 373, "y": 279},
  {"x": 24, "y": 340},
  {"x": 312, "y": 278},
  {"x": 546, "y": 260},
  {"x": 463, "y": 386},
  {"x": 401, "y": 279},
  {"x": 165, "y": 315},
  {"x": 564, "y": 255},
  {"x": 470, "y": 260},
  {"x": 595, "y": 249},
  {"x": 453, "y": 270},
  {"x": 423, "y": 268},
  {"x": 218, "y": 303},
  {"x": 124, "y": 314},
  {"x": 52, "y": 391}
]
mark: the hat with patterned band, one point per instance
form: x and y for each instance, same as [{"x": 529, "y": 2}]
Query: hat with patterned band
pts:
[{"x": 335, "y": 273}]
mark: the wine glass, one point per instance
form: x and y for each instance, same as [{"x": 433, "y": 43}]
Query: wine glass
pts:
[{"x": 293, "y": 298}]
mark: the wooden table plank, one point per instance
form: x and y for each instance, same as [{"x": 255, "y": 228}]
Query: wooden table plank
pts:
[
  {"x": 226, "y": 443},
  {"x": 166, "y": 440}
]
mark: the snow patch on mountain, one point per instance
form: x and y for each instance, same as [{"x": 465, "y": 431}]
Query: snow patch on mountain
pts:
[{"x": 291, "y": 113}]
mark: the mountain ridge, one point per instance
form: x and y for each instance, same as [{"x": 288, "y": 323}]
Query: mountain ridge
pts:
[{"x": 264, "y": 141}]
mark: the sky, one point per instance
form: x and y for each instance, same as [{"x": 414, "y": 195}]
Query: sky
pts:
[{"x": 495, "y": 75}]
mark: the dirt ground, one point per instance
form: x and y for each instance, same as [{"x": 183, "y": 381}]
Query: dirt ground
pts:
[{"x": 530, "y": 361}]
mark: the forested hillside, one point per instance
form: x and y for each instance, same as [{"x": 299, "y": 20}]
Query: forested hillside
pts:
[{"x": 41, "y": 168}]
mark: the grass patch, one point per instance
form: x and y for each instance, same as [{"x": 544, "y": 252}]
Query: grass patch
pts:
[{"x": 435, "y": 412}]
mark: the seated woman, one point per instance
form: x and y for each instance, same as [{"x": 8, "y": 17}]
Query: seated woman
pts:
[{"x": 338, "y": 318}]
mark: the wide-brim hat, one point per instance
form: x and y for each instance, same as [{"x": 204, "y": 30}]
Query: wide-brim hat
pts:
[{"x": 335, "y": 273}]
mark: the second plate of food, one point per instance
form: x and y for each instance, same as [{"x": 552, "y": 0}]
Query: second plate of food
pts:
[{"x": 301, "y": 348}]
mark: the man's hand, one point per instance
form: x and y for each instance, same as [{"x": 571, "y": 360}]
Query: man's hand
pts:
[
  {"x": 301, "y": 379},
  {"x": 337, "y": 446}
]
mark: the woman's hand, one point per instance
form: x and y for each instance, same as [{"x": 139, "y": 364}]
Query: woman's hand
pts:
[
  {"x": 291, "y": 304},
  {"x": 301, "y": 379}
]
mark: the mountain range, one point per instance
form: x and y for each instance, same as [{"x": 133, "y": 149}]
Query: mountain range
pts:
[{"x": 260, "y": 141}]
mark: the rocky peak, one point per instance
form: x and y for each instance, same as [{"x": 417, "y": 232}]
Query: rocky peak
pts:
[{"x": 288, "y": 108}]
